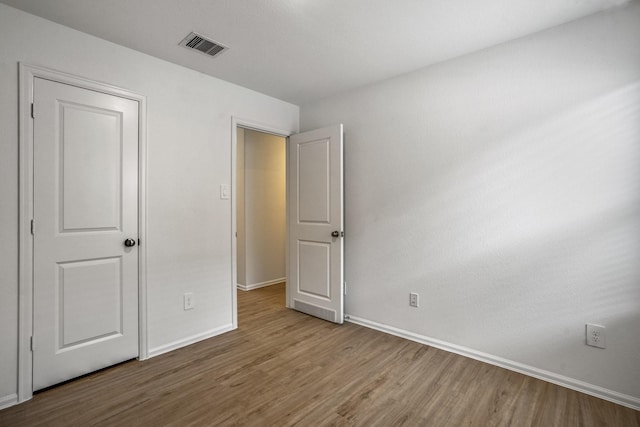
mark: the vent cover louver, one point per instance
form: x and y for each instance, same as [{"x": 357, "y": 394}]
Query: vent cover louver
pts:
[{"x": 203, "y": 45}]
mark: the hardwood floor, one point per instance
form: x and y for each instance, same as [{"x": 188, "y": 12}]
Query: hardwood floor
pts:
[{"x": 281, "y": 368}]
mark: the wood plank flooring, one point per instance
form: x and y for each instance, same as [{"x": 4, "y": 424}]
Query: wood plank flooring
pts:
[{"x": 283, "y": 368}]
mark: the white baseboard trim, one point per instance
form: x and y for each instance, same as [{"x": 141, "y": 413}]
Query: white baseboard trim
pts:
[
  {"x": 189, "y": 340},
  {"x": 261, "y": 284},
  {"x": 9, "y": 400},
  {"x": 581, "y": 386}
]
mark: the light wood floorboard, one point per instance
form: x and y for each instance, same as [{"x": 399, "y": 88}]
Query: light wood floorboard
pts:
[{"x": 283, "y": 368}]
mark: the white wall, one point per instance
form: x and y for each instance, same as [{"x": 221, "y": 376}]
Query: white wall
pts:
[
  {"x": 504, "y": 188},
  {"x": 264, "y": 221},
  {"x": 189, "y": 156}
]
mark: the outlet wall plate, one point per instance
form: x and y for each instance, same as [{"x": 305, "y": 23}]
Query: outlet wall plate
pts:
[
  {"x": 595, "y": 335},
  {"x": 414, "y": 299},
  {"x": 189, "y": 301}
]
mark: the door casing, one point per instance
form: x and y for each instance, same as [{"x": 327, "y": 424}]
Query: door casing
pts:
[
  {"x": 260, "y": 127},
  {"x": 27, "y": 74}
]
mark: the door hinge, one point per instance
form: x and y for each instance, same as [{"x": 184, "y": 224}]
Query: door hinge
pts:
[
  {"x": 31, "y": 342},
  {"x": 345, "y": 287},
  {"x": 33, "y": 116},
  {"x": 32, "y": 227}
]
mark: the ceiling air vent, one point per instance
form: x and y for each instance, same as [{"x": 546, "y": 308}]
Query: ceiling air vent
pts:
[{"x": 202, "y": 45}]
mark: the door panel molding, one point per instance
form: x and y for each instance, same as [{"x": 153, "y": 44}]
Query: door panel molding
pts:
[{"x": 27, "y": 76}]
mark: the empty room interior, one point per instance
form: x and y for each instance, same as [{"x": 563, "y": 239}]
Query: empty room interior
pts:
[{"x": 320, "y": 212}]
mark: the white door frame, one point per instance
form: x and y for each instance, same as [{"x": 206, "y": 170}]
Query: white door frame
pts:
[
  {"x": 28, "y": 74},
  {"x": 260, "y": 127}
]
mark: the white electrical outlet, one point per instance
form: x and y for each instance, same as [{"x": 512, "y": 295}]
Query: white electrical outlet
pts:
[
  {"x": 189, "y": 301},
  {"x": 413, "y": 299},
  {"x": 596, "y": 336}
]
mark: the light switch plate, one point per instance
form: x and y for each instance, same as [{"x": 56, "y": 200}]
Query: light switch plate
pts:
[{"x": 225, "y": 191}]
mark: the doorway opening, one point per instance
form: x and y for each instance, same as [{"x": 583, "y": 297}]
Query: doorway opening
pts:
[
  {"x": 260, "y": 203},
  {"x": 314, "y": 220},
  {"x": 261, "y": 206}
]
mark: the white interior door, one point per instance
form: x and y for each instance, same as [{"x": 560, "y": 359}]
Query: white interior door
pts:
[
  {"x": 316, "y": 221},
  {"x": 85, "y": 206}
]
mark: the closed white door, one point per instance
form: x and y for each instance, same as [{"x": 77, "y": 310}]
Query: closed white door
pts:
[
  {"x": 316, "y": 223},
  {"x": 85, "y": 207}
]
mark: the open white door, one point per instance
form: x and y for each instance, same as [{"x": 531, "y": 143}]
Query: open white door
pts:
[
  {"x": 85, "y": 231},
  {"x": 316, "y": 221}
]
